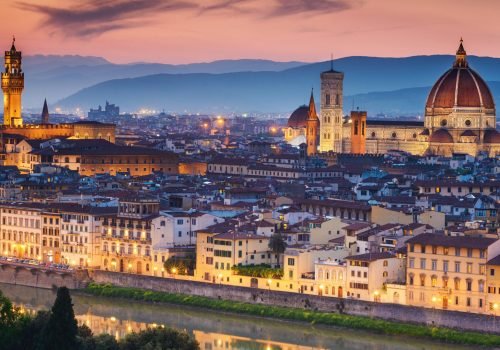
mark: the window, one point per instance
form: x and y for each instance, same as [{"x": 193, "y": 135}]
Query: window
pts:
[
  {"x": 469, "y": 285},
  {"x": 291, "y": 261},
  {"x": 469, "y": 252},
  {"x": 457, "y": 266},
  {"x": 469, "y": 267},
  {"x": 434, "y": 265},
  {"x": 445, "y": 266},
  {"x": 422, "y": 249},
  {"x": 411, "y": 263},
  {"x": 422, "y": 264},
  {"x": 457, "y": 251},
  {"x": 434, "y": 250},
  {"x": 492, "y": 272},
  {"x": 434, "y": 281}
]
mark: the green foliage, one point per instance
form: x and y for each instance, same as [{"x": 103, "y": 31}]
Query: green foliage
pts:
[
  {"x": 263, "y": 271},
  {"x": 277, "y": 245},
  {"x": 61, "y": 329},
  {"x": 180, "y": 265},
  {"x": 159, "y": 339},
  {"x": 332, "y": 319},
  {"x": 18, "y": 331}
]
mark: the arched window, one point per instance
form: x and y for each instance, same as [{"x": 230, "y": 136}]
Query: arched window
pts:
[
  {"x": 384, "y": 274},
  {"x": 386, "y": 263}
]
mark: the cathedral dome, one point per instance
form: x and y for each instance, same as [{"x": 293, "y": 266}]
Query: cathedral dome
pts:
[
  {"x": 460, "y": 86},
  {"x": 298, "y": 117},
  {"x": 441, "y": 136},
  {"x": 491, "y": 136}
]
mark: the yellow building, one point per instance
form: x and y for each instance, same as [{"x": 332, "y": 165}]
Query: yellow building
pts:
[
  {"x": 368, "y": 273},
  {"x": 126, "y": 236},
  {"x": 449, "y": 272},
  {"x": 493, "y": 285},
  {"x": 220, "y": 247}
]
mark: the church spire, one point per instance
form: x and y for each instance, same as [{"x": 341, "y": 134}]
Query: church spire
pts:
[
  {"x": 461, "y": 56},
  {"x": 45, "y": 113},
  {"x": 312, "y": 106}
]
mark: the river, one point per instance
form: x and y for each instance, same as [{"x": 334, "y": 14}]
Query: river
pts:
[{"x": 214, "y": 331}]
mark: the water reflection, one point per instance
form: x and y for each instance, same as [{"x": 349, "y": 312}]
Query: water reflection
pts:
[{"x": 214, "y": 331}]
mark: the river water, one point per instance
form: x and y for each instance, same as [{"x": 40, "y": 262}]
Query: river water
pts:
[{"x": 214, "y": 331}]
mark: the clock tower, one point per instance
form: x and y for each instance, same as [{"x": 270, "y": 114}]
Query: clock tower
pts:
[{"x": 12, "y": 87}]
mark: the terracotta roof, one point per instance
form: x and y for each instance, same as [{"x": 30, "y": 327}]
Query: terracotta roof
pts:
[
  {"x": 441, "y": 136},
  {"x": 371, "y": 256},
  {"x": 491, "y": 136},
  {"x": 452, "y": 241},
  {"x": 460, "y": 86},
  {"x": 298, "y": 117}
]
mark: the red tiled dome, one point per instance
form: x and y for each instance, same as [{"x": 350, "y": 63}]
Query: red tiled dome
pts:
[
  {"x": 298, "y": 117},
  {"x": 491, "y": 136},
  {"x": 460, "y": 86},
  {"x": 441, "y": 136}
]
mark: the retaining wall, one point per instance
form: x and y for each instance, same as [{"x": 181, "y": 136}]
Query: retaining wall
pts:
[{"x": 395, "y": 312}]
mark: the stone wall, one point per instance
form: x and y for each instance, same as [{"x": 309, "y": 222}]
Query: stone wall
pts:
[
  {"x": 451, "y": 319},
  {"x": 35, "y": 276}
]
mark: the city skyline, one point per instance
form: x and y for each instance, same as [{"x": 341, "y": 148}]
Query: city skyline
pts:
[{"x": 182, "y": 31}]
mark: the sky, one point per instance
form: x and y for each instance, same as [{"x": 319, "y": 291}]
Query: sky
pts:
[{"x": 185, "y": 31}]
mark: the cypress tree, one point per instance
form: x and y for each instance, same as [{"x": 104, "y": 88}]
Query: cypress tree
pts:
[{"x": 62, "y": 328}]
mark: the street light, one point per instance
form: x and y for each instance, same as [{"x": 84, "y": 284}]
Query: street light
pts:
[
  {"x": 269, "y": 281},
  {"x": 376, "y": 296},
  {"x": 220, "y": 278},
  {"x": 321, "y": 288}
]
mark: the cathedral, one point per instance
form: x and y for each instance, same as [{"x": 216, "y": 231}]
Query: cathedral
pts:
[
  {"x": 13, "y": 129},
  {"x": 459, "y": 118}
]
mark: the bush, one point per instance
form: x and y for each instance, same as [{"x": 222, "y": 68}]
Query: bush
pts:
[
  {"x": 159, "y": 339},
  {"x": 262, "y": 271},
  {"x": 331, "y": 319}
]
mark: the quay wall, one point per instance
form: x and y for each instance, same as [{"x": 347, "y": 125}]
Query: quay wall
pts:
[
  {"x": 40, "y": 277},
  {"x": 393, "y": 312}
]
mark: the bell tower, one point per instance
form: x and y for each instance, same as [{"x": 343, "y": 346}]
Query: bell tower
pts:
[
  {"x": 12, "y": 87},
  {"x": 312, "y": 126},
  {"x": 331, "y": 112}
]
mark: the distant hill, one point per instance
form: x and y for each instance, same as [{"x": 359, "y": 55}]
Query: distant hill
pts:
[
  {"x": 54, "y": 77},
  {"x": 380, "y": 85}
]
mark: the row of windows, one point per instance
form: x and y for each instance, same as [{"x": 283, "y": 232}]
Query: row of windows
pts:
[
  {"x": 457, "y": 300},
  {"x": 222, "y": 253},
  {"x": 14, "y": 221},
  {"x": 446, "y": 251},
  {"x": 445, "y": 266},
  {"x": 456, "y": 281}
]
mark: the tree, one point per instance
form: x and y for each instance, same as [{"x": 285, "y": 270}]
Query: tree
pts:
[
  {"x": 159, "y": 339},
  {"x": 277, "y": 245},
  {"x": 180, "y": 265},
  {"x": 61, "y": 330}
]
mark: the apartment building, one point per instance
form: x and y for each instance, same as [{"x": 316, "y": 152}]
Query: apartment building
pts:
[
  {"x": 126, "y": 236},
  {"x": 368, "y": 273},
  {"x": 21, "y": 226},
  {"x": 449, "y": 272}
]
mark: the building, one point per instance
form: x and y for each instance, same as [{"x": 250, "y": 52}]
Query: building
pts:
[
  {"x": 303, "y": 127},
  {"x": 449, "y": 272},
  {"x": 460, "y": 117},
  {"x": 13, "y": 86},
  {"x": 110, "y": 111},
  {"x": 331, "y": 113}
]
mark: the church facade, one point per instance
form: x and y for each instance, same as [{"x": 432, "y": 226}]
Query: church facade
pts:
[{"x": 460, "y": 117}]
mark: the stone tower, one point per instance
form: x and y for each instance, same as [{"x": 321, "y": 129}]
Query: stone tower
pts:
[
  {"x": 312, "y": 126},
  {"x": 358, "y": 132},
  {"x": 331, "y": 111},
  {"x": 12, "y": 87},
  {"x": 45, "y": 113}
]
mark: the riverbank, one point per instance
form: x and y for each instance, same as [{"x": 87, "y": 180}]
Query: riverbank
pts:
[{"x": 293, "y": 314}]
